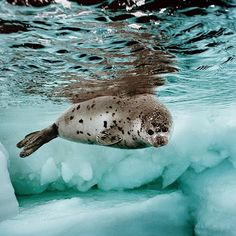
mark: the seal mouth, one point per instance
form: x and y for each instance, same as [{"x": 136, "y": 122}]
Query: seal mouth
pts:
[{"x": 161, "y": 141}]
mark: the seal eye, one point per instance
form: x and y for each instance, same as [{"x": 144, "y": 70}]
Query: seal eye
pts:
[
  {"x": 164, "y": 129},
  {"x": 150, "y": 132}
]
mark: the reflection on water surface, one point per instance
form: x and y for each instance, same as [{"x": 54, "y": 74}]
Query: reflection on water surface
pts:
[{"x": 56, "y": 52}]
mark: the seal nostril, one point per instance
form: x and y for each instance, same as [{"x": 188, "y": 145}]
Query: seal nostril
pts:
[{"x": 164, "y": 129}]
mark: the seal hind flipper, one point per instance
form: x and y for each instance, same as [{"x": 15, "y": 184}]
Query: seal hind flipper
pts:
[
  {"x": 35, "y": 140},
  {"x": 108, "y": 138},
  {"x": 26, "y": 139}
]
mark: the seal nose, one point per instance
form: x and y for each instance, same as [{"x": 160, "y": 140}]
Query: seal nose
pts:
[{"x": 161, "y": 141}]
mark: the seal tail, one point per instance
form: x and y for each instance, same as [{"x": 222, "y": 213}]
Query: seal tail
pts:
[{"x": 35, "y": 140}]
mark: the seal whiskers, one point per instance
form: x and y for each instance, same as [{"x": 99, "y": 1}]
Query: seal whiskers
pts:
[{"x": 35, "y": 140}]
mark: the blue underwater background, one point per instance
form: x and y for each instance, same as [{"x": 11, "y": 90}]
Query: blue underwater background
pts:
[{"x": 185, "y": 188}]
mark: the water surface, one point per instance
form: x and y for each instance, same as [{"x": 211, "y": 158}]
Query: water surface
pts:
[
  {"x": 45, "y": 51},
  {"x": 50, "y": 55}
]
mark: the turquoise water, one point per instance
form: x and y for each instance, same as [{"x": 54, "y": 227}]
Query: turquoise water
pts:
[
  {"x": 48, "y": 54},
  {"x": 43, "y": 50}
]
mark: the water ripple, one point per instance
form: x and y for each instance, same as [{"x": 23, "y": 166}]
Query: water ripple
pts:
[{"x": 49, "y": 51}]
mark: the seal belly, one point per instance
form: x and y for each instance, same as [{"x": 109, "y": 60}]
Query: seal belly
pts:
[
  {"x": 103, "y": 118},
  {"x": 82, "y": 125}
]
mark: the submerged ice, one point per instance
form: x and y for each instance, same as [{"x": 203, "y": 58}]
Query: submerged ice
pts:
[
  {"x": 200, "y": 140},
  {"x": 8, "y": 202},
  {"x": 185, "y": 188},
  {"x": 74, "y": 216},
  {"x": 212, "y": 199},
  {"x": 198, "y": 164}
]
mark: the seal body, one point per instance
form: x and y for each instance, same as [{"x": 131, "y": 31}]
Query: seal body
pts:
[{"x": 123, "y": 122}]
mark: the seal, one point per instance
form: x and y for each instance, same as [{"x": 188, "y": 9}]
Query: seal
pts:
[{"x": 137, "y": 121}]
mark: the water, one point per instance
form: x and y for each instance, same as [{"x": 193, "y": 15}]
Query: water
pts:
[
  {"x": 44, "y": 50},
  {"x": 50, "y": 54}
]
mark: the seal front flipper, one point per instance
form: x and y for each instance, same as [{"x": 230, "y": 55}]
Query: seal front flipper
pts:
[
  {"x": 108, "y": 137},
  {"x": 35, "y": 140}
]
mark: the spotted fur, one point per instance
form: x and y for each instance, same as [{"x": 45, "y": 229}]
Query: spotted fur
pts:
[
  {"x": 112, "y": 121},
  {"x": 120, "y": 118}
]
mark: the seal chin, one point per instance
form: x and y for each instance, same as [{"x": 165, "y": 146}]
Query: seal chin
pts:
[{"x": 160, "y": 141}]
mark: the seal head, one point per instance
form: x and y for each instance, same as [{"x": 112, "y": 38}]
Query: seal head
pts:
[{"x": 156, "y": 127}]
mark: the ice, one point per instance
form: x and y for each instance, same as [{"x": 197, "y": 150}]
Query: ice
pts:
[
  {"x": 66, "y": 172},
  {"x": 8, "y": 202},
  {"x": 49, "y": 172},
  {"x": 122, "y": 174},
  {"x": 75, "y": 216},
  {"x": 200, "y": 140},
  {"x": 85, "y": 171},
  {"x": 213, "y": 199},
  {"x": 198, "y": 164}
]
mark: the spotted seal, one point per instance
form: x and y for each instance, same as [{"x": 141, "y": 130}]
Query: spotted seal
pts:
[{"x": 123, "y": 122}]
